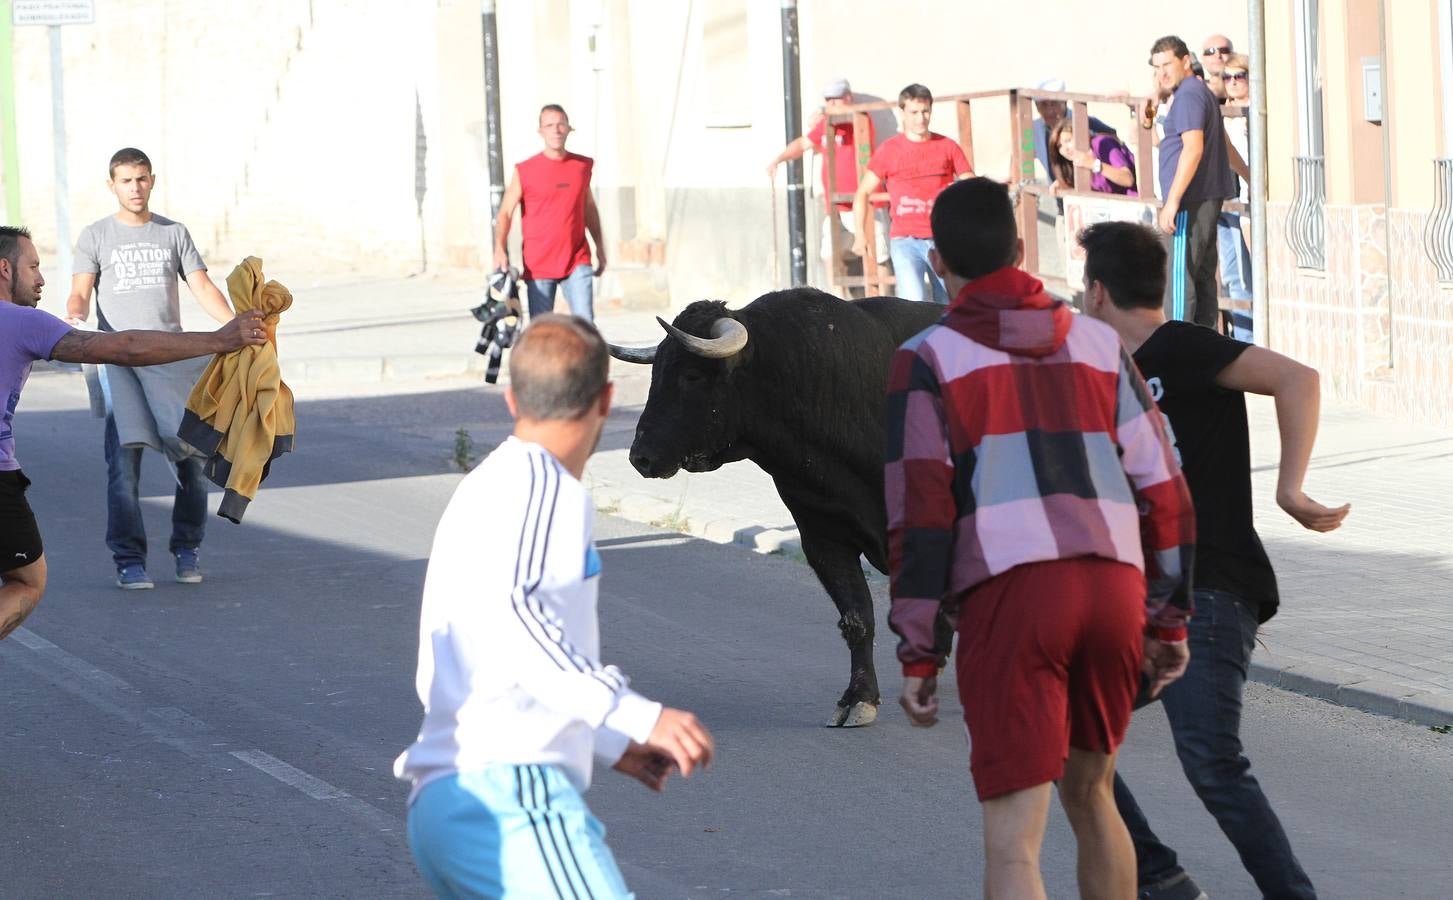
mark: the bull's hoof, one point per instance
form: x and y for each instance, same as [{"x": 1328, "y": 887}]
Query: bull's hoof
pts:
[{"x": 855, "y": 716}]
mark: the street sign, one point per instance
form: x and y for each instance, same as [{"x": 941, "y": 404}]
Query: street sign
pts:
[{"x": 52, "y": 12}]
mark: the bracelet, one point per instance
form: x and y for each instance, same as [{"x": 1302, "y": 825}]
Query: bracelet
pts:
[{"x": 1096, "y": 166}]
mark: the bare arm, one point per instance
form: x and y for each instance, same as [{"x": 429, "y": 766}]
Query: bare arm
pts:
[
  {"x": 1193, "y": 144},
  {"x": 1296, "y": 390},
  {"x": 507, "y": 205},
  {"x": 1120, "y": 175},
  {"x": 866, "y": 186},
  {"x": 592, "y": 225},
  {"x": 795, "y": 150},
  {"x": 78, "y": 304},
  {"x": 150, "y": 348},
  {"x": 208, "y": 297}
]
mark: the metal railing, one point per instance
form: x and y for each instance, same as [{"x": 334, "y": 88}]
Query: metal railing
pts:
[
  {"x": 1438, "y": 233},
  {"x": 1306, "y": 225}
]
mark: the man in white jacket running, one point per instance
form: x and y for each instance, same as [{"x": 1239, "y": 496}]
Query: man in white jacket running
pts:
[{"x": 516, "y": 700}]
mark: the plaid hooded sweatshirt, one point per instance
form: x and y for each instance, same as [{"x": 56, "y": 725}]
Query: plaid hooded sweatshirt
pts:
[{"x": 1019, "y": 432}]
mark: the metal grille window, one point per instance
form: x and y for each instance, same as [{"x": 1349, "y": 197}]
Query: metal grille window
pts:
[
  {"x": 1306, "y": 222},
  {"x": 1438, "y": 233}
]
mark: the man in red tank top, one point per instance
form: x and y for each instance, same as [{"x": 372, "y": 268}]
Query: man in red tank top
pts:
[{"x": 552, "y": 191}]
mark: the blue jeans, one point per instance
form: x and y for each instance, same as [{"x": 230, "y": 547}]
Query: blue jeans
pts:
[
  {"x": 1235, "y": 269},
  {"x": 579, "y": 288},
  {"x": 125, "y": 532},
  {"x": 1204, "y": 709},
  {"x": 910, "y": 266},
  {"x": 511, "y": 831}
]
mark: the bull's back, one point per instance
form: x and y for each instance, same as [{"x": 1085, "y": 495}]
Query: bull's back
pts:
[{"x": 901, "y": 319}]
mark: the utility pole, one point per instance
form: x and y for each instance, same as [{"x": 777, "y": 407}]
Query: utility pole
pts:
[
  {"x": 792, "y": 116},
  {"x": 492, "y": 139}
]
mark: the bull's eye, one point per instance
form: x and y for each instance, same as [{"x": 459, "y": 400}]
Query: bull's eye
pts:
[{"x": 692, "y": 378}]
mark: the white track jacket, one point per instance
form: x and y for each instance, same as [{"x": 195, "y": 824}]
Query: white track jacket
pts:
[{"x": 509, "y": 641}]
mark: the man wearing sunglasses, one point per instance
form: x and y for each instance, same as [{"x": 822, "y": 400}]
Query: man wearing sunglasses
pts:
[{"x": 1215, "y": 50}]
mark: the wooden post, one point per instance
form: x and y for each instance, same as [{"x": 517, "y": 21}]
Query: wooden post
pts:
[
  {"x": 1144, "y": 172},
  {"x": 1021, "y": 113},
  {"x": 863, "y": 147},
  {"x": 966, "y": 131},
  {"x": 1082, "y": 143}
]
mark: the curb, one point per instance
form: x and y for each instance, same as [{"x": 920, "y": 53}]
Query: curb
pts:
[{"x": 1383, "y": 698}]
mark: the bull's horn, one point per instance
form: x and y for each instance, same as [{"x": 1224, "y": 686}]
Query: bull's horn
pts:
[
  {"x": 728, "y": 337},
  {"x": 645, "y": 355}
]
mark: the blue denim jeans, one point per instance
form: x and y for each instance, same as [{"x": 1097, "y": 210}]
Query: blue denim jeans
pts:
[
  {"x": 910, "y": 267},
  {"x": 1235, "y": 269},
  {"x": 579, "y": 289},
  {"x": 125, "y": 532},
  {"x": 1204, "y": 709}
]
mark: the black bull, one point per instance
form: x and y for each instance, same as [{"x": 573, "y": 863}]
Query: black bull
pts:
[{"x": 794, "y": 382}]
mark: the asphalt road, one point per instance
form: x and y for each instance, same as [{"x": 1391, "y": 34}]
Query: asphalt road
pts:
[{"x": 234, "y": 739}]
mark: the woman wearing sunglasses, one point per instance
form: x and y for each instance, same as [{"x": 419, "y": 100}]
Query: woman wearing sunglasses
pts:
[{"x": 1231, "y": 228}]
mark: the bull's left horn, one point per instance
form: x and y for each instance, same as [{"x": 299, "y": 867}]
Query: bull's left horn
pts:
[
  {"x": 728, "y": 337},
  {"x": 646, "y": 355}
]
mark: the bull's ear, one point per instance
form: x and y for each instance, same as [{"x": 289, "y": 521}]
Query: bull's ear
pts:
[{"x": 646, "y": 355}]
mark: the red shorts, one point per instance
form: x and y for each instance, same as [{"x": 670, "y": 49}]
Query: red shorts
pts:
[{"x": 1048, "y": 659}]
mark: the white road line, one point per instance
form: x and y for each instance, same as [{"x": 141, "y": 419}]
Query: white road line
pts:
[
  {"x": 30, "y": 640},
  {"x": 316, "y": 788},
  {"x": 178, "y": 729}
]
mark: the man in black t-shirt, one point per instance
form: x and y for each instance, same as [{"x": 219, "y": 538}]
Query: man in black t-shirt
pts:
[{"x": 1199, "y": 379}]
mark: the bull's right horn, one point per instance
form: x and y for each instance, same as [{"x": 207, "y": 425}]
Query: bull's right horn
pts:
[
  {"x": 728, "y": 338},
  {"x": 646, "y": 355}
]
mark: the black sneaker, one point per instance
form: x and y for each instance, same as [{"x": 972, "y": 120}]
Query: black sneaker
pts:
[{"x": 1176, "y": 887}]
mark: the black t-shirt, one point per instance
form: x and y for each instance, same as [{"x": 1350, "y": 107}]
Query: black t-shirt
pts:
[{"x": 1180, "y": 362}]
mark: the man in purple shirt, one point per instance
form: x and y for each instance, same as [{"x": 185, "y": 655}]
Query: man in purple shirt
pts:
[
  {"x": 1195, "y": 179},
  {"x": 28, "y": 334}
]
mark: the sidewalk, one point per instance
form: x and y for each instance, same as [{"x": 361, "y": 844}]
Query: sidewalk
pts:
[{"x": 1367, "y": 611}]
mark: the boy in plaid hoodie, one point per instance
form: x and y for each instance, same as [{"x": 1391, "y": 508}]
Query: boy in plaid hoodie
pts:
[{"x": 1031, "y": 486}]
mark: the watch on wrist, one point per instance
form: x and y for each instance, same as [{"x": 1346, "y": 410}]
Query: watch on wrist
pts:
[{"x": 1096, "y": 166}]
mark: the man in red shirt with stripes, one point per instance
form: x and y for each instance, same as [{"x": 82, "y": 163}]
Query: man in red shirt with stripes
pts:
[
  {"x": 1033, "y": 495},
  {"x": 552, "y": 191}
]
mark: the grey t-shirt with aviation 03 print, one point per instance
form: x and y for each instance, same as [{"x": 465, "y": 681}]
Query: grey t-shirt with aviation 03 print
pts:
[{"x": 136, "y": 269}]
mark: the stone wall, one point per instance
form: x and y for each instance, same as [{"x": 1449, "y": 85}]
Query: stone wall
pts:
[{"x": 1375, "y": 323}]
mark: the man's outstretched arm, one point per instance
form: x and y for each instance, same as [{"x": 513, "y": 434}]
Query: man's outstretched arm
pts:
[
  {"x": 150, "y": 348},
  {"x": 1296, "y": 389}
]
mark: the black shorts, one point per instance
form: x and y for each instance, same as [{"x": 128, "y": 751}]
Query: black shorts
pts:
[{"x": 19, "y": 536}]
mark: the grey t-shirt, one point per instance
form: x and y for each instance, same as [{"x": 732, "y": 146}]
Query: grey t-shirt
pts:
[{"x": 136, "y": 269}]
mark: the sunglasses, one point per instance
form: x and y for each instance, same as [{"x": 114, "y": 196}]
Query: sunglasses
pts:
[
  {"x": 1212, "y": 51},
  {"x": 1235, "y": 76}
]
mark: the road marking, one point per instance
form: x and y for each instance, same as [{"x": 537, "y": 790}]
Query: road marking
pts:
[
  {"x": 294, "y": 777},
  {"x": 176, "y": 728}
]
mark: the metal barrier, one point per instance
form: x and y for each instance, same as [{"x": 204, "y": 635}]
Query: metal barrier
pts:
[
  {"x": 1306, "y": 227},
  {"x": 877, "y": 279},
  {"x": 1438, "y": 233}
]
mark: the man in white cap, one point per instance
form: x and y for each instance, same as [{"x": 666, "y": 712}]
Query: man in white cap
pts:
[
  {"x": 836, "y": 95},
  {"x": 1050, "y": 114}
]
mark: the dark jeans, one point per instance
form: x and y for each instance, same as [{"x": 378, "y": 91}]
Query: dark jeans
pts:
[
  {"x": 125, "y": 532},
  {"x": 1204, "y": 709},
  {"x": 1196, "y": 271}
]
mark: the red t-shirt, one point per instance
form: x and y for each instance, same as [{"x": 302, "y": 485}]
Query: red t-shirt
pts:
[
  {"x": 552, "y": 214},
  {"x": 915, "y": 171},
  {"x": 844, "y": 157}
]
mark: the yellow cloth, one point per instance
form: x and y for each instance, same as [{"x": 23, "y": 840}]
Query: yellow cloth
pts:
[{"x": 240, "y": 414}]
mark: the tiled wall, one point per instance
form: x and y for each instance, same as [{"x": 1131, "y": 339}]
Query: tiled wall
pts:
[{"x": 1376, "y": 323}]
